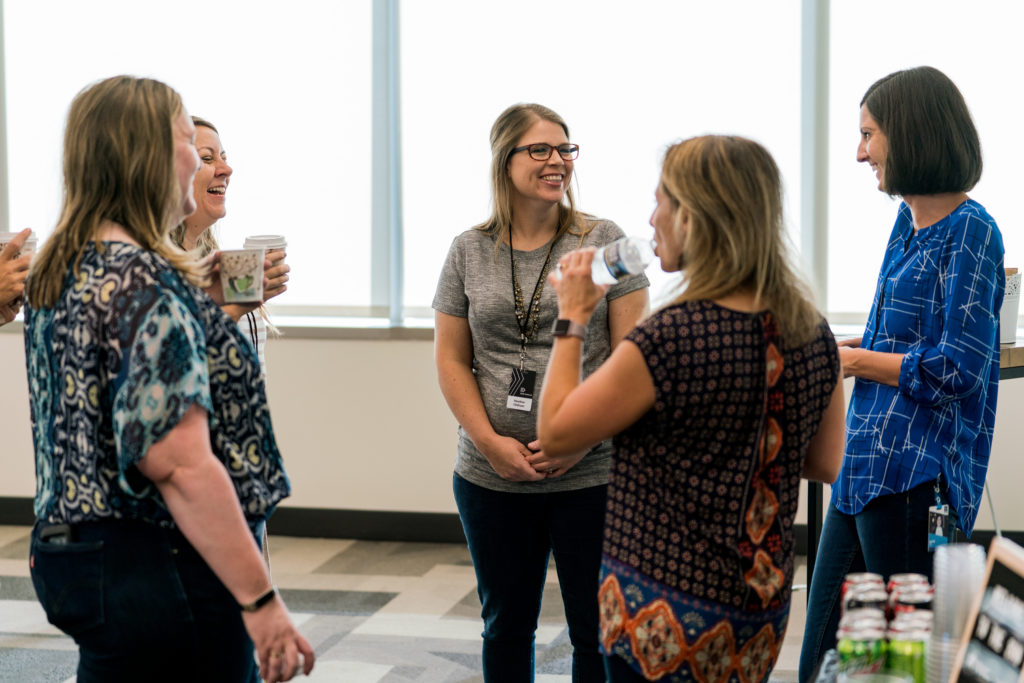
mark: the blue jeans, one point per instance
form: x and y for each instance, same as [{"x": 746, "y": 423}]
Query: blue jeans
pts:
[
  {"x": 141, "y": 604},
  {"x": 889, "y": 536},
  {"x": 510, "y": 537}
]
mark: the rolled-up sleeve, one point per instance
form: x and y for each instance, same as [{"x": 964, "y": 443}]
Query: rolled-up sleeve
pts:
[{"x": 966, "y": 308}]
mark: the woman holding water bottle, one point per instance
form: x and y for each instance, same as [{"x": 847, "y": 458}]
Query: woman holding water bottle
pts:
[
  {"x": 493, "y": 332},
  {"x": 718, "y": 404}
]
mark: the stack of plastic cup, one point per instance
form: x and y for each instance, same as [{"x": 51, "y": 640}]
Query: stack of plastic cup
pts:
[{"x": 959, "y": 571}]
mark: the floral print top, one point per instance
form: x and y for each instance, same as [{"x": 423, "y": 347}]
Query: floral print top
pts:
[
  {"x": 698, "y": 550},
  {"x": 114, "y": 366}
]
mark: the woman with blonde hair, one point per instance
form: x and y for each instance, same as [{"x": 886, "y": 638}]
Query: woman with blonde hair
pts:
[
  {"x": 195, "y": 234},
  {"x": 493, "y": 332},
  {"x": 144, "y": 400},
  {"x": 718, "y": 403}
]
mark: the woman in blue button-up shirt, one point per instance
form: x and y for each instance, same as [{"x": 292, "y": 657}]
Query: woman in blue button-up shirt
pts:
[{"x": 920, "y": 421}]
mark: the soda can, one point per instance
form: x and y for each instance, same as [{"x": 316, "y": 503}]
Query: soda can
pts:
[
  {"x": 911, "y": 601},
  {"x": 861, "y": 651},
  {"x": 859, "y": 578},
  {"x": 906, "y": 580},
  {"x": 906, "y": 654},
  {"x": 864, "y": 617},
  {"x": 875, "y": 598}
]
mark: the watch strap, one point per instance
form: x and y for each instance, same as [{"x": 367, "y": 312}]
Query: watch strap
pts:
[
  {"x": 569, "y": 328},
  {"x": 260, "y": 601}
]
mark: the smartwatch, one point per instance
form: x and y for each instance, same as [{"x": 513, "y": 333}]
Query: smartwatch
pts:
[{"x": 568, "y": 328}]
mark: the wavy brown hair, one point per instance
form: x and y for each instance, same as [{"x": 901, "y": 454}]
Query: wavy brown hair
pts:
[
  {"x": 119, "y": 165},
  {"x": 508, "y": 129},
  {"x": 732, "y": 189}
]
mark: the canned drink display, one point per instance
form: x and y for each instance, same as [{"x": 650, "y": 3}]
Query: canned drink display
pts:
[
  {"x": 861, "y": 651},
  {"x": 921, "y": 620},
  {"x": 906, "y": 654}
]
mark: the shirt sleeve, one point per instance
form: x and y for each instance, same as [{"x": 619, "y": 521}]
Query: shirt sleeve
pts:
[
  {"x": 163, "y": 372},
  {"x": 972, "y": 284},
  {"x": 450, "y": 296}
]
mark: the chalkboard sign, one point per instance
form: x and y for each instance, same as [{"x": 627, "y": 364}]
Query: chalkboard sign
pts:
[{"x": 992, "y": 650}]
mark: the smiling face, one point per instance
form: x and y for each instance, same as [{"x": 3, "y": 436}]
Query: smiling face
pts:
[
  {"x": 670, "y": 223},
  {"x": 186, "y": 160},
  {"x": 874, "y": 146},
  {"x": 540, "y": 181},
  {"x": 211, "y": 183}
]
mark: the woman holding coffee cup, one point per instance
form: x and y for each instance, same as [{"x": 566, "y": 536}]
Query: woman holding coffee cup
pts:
[
  {"x": 144, "y": 548},
  {"x": 195, "y": 233}
]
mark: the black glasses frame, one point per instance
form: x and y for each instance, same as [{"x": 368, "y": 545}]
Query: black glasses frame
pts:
[{"x": 571, "y": 153}]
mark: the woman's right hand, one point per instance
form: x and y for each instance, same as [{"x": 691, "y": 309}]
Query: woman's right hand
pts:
[
  {"x": 275, "y": 272},
  {"x": 278, "y": 643},
  {"x": 508, "y": 458},
  {"x": 853, "y": 342}
]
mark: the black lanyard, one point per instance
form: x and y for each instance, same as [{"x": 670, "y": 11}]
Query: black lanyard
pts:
[{"x": 527, "y": 318}]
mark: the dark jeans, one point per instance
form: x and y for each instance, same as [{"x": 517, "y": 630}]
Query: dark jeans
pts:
[
  {"x": 510, "y": 536},
  {"x": 142, "y": 605},
  {"x": 618, "y": 671},
  {"x": 889, "y": 536}
]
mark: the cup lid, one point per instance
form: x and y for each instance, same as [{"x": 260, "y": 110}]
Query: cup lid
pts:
[{"x": 266, "y": 241}]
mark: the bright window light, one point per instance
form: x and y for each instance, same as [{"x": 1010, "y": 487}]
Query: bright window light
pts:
[
  {"x": 287, "y": 85},
  {"x": 629, "y": 78}
]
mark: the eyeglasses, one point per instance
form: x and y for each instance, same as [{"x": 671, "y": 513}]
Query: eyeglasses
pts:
[{"x": 541, "y": 151}]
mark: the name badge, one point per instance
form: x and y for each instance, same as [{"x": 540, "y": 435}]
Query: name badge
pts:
[
  {"x": 938, "y": 526},
  {"x": 520, "y": 390}
]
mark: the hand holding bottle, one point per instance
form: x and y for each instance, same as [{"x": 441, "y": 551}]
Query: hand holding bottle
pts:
[{"x": 578, "y": 295}]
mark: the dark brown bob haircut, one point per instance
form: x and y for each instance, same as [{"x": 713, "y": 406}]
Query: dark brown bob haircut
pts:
[{"x": 933, "y": 144}]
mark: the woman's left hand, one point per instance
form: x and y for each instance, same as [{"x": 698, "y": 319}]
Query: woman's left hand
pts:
[
  {"x": 275, "y": 275},
  {"x": 578, "y": 296},
  {"x": 551, "y": 466}
]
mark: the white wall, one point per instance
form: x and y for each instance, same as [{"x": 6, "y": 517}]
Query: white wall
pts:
[{"x": 362, "y": 425}]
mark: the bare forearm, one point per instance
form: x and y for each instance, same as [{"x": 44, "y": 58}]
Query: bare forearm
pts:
[
  {"x": 460, "y": 391},
  {"x": 877, "y": 366},
  {"x": 205, "y": 507},
  {"x": 563, "y": 375}
]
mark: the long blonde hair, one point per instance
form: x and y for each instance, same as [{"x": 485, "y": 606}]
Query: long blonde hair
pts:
[
  {"x": 119, "y": 165},
  {"x": 732, "y": 190},
  {"x": 507, "y": 130}
]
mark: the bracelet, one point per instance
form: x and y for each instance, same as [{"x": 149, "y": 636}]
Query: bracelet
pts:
[{"x": 260, "y": 601}]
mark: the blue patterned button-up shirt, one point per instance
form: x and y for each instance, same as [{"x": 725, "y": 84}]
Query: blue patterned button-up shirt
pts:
[{"x": 937, "y": 302}]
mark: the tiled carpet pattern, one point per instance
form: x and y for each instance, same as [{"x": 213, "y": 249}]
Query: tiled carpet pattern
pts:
[{"x": 375, "y": 612}]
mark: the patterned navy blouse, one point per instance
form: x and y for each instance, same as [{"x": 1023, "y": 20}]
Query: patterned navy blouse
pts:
[
  {"x": 114, "y": 366},
  {"x": 697, "y": 564}
]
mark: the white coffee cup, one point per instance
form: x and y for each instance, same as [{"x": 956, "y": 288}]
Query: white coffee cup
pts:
[
  {"x": 268, "y": 242},
  {"x": 241, "y": 274}
]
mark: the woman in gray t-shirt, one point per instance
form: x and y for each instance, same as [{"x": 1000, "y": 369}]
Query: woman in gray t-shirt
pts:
[{"x": 493, "y": 331}]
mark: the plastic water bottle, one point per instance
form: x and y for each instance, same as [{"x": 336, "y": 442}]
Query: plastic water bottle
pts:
[{"x": 620, "y": 259}]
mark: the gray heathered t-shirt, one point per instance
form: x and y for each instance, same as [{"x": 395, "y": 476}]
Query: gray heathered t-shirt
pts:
[{"x": 476, "y": 283}]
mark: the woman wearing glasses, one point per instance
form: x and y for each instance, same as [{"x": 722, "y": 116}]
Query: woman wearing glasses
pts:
[{"x": 493, "y": 327}]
